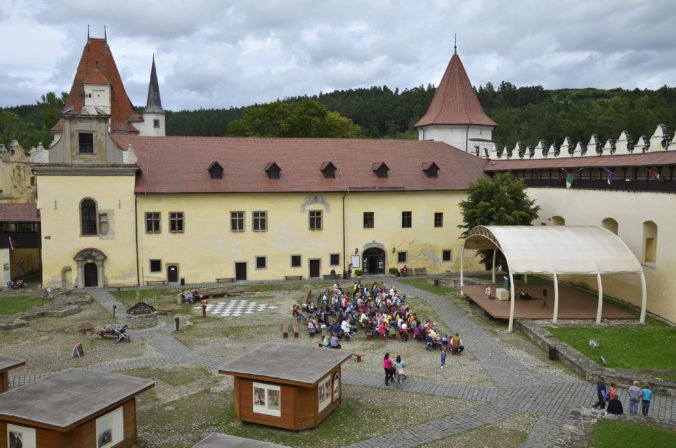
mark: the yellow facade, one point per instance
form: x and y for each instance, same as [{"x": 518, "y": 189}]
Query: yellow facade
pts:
[
  {"x": 208, "y": 249},
  {"x": 630, "y": 210},
  {"x": 59, "y": 199}
]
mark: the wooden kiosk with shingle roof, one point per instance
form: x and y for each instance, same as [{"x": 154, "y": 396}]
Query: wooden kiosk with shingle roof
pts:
[
  {"x": 287, "y": 386},
  {"x": 7, "y": 364},
  {"x": 75, "y": 409}
]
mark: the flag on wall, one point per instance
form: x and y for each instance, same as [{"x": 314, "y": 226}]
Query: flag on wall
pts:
[
  {"x": 12, "y": 246},
  {"x": 653, "y": 174},
  {"x": 611, "y": 175}
]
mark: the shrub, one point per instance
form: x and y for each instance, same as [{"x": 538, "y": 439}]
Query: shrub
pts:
[
  {"x": 393, "y": 271},
  {"x": 358, "y": 272}
]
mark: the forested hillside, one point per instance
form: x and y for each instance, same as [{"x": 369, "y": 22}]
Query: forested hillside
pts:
[{"x": 523, "y": 114}]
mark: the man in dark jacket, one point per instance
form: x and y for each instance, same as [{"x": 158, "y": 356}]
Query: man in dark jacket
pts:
[{"x": 600, "y": 393}]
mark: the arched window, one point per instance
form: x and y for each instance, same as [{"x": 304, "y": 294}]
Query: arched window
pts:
[
  {"x": 88, "y": 217},
  {"x": 558, "y": 221},
  {"x": 610, "y": 224},
  {"x": 649, "y": 242}
]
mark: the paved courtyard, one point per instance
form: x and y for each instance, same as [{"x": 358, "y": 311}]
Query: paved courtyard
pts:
[{"x": 514, "y": 388}]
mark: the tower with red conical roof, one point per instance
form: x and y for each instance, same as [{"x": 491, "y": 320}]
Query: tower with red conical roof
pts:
[{"x": 455, "y": 115}]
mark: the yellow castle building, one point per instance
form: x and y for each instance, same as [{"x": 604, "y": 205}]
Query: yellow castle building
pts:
[{"x": 121, "y": 204}]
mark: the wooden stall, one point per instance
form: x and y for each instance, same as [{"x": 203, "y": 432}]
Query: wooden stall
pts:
[
  {"x": 75, "y": 409},
  {"x": 287, "y": 385},
  {"x": 7, "y": 364}
]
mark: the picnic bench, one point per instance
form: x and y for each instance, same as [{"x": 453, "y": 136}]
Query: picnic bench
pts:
[
  {"x": 165, "y": 309},
  {"x": 225, "y": 280},
  {"x": 155, "y": 282},
  {"x": 293, "y": 277},
  {"x": 295, "y": 328},
  {"x": 358, "y": 356},
  {"x": 285, "y": 329},
  {"x": 306, "y": 299},
  {"x": 86, "y": 326}
]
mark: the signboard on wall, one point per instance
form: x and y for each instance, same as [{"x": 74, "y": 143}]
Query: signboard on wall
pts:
[{"x": 355, "y": 261}]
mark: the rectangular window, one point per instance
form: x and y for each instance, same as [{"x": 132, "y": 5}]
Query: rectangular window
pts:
[
  {"x": 155, "y": 265},
  {"x": 103, "y": 223},
  {"x": 261, "y": 262},
  {"x": 152, "y": 222},
  {"x": 315, "y": 220},
  {"x": 446, "y": 255},
  {"x": 260, "y": 221},
  {"x": 176, "y": 222},
  {"x": 237, "y": 221},
  {"x": 295, "y": 261},
  {"x": 156, "y": 124},
  {"x": 335, "y": 259},
  {"x": 401, "y": 257},
  {"x": 369, "y": 220},
  {"x": 267, "y": 399},
  {"x": 438, "y": 220},
  {"x": 86, "y": 142},
  {"x": 406, "y": 219}
]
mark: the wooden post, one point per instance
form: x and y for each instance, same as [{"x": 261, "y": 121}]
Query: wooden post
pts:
[
  {"x": 177, "y": 322},
  {"x": 204, "y": 310},
  {"x": 114, "y": 309}
]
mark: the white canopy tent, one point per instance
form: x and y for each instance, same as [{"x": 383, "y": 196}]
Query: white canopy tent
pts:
[{"x": 556, "y": 250}]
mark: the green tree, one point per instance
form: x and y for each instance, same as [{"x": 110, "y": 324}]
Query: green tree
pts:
[
  {"x": 306, "y": 118},
  {"x": 50, "y": 107},
  {"x": 502, "y": 201}
]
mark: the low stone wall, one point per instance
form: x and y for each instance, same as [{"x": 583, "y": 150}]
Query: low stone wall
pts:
[
  {"x": 587, "y": 368},
  {"x": 140, "y": 321}
]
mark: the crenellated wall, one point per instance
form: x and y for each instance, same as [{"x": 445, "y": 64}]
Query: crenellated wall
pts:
[{"x": 594, "y": 147}]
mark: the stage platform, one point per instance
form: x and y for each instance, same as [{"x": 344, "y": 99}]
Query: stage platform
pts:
[{"x": 573, "y": 303}]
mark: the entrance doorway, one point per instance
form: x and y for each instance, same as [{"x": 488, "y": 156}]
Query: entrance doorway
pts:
[
  {"x": 240, "y": 271},
  {"x": 91, "y": 275},
  {"x": 374, "y": 261},
  {"x": 172, "y": 274},
  {"x": 314, "y": 268}
]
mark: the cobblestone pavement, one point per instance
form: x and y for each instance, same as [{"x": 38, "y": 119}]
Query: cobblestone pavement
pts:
[{"x": 550, "y": 396}]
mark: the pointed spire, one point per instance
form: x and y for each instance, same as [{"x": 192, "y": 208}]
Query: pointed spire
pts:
[
  {"x": 455, "y": 44},
  {"x": 154, "y": 103},
  {"x": 455, "y": 101},
  {"x": 87, "y": 33}
]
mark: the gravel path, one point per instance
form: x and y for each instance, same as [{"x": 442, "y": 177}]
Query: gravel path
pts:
[{"x": 550, "y": 394}]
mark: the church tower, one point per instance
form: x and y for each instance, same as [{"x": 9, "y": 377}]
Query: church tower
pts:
[
  {"x": 455, "y": 115},
  {"x": 153, "y": 124}
]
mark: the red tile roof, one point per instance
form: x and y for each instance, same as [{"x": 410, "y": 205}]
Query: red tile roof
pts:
[
  {"x": 19, "y": 213},
  {"x": 643, "y": 159},
  {"x": 455, "y": 101},
  {"x": 106, "y": 73},
  {"x": 180, "y": 164}
]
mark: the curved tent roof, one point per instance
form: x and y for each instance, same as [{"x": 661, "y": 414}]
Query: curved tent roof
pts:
[{"x": 557, "y": 249}]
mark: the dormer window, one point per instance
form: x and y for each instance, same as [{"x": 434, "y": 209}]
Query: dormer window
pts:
[
  {"x": 329, "y": 170},
  {"x": 215, "y": 171},
  {"x": 273, "y": 170},
  {"x": 431, "y": 169},
  {"x": 381, "y": 169},
  {"x": 86, "y": 143}
]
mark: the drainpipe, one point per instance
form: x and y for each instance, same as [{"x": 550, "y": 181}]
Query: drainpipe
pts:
[
  {"x": 138, "y": 273},
  {"x": 344, "y": 260},
  {"x": 467, "y": 139}
]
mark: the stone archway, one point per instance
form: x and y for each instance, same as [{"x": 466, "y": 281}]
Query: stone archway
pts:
[{"x": 94, "y": 260}]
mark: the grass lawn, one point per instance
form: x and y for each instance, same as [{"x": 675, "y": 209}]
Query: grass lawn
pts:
[
  {"x": 615, "y": 434},
  {"x": 651, "y": 347},
  {"x": 153, "y": 297},
  {"x": 13, "y": 305},
  {"x": 421, "y": 283}
]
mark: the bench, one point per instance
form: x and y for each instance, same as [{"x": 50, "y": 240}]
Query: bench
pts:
[
  {"x": 306, "y": 299},
  {"x": 358, "y": 356},
  {"x": 225, "y": 280},
  {"x": 165, "y": 309},
  {"x": 293, "y": 277},
  {"x": 285, "y": 329},
  {"x": 295, "y": 328},
  {"x": 155, "y": 282},
  {"x": 419, "y": 271},
  {"x": 86, "y": 326}
]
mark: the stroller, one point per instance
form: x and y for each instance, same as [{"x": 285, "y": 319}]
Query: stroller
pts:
[{"x": 110, "y": 331}]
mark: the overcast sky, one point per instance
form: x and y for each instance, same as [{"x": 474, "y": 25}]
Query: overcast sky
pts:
[{"x": 233, "y": 53}]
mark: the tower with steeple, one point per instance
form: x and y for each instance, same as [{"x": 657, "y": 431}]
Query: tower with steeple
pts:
[
  {"x": 455, "y": 115},
  {"x": 153, "y": 123}
]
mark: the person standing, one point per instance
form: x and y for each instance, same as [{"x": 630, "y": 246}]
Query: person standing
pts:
[
  {"x": 646, "y": 396},
  {"x": 388, "y": 366},
  {"x": 443, "y": 358},
  {"x": 600, "y": 393},
  {"x": 635, "y": 393},
  {"x": 487, "y": 291},
  {"x": 399, "y": 366},
  {"x": 614, "y": 403}
]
